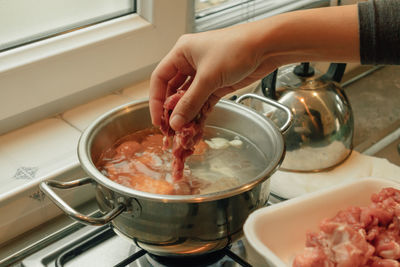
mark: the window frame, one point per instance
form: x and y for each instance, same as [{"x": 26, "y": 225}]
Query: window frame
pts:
[
  {"x": 237, "y": 12},
  {"x": 49, "y": 76}
]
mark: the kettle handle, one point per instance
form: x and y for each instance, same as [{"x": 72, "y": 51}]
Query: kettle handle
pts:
[
  {"x": 335, "y": 72},
  {"x": 268, "y": 85}
]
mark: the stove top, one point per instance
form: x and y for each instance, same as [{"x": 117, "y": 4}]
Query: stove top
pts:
[{"x": 100, "y": 246}]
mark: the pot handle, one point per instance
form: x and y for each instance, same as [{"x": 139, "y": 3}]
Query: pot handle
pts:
[
  {"x": 274, "y": 103},
  {"x": 46, "y": 188}
]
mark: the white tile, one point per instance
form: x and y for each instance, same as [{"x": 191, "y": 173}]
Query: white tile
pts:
[
  {"x": 39, "y": 142},
  {"x": 82, "y": 116},
  {"x": 137, "y": 91},
  {"x": 8, "y": 178},
  {"x": 36, "y": 151}
]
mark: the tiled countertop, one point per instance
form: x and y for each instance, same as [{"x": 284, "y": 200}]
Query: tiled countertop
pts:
[{"x": 45, "y": 150}]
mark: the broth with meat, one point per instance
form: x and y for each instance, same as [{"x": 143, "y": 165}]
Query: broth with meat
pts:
[{"x": 221, "y": 160}]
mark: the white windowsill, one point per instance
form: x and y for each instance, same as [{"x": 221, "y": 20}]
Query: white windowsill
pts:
[{"x": 47, "y": 150}]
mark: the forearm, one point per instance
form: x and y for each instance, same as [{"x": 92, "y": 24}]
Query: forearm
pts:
[
  {"x": 323, "y": 34},
  {"x": 224, "y": 60}
]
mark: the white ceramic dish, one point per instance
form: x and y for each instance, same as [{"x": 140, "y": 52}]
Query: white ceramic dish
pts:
[{"x": 275, "y": 234}]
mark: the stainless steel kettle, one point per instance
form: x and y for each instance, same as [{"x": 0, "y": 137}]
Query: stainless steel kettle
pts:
[{"x": 322, "y": 132}]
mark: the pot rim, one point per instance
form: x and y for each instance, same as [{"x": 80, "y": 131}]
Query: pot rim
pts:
[{"x": 89, "y": 167}]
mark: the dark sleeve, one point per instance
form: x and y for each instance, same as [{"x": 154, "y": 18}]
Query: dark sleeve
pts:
[{"x": 379, "y": 29}]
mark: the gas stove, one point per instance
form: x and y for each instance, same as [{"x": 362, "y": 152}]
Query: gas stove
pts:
[
  {"x": 100, "y": 246},
  {"x": 62, "y": 241}
]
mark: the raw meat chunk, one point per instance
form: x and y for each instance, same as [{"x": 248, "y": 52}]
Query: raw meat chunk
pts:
[
  {"x": 358, "y": 236},
  {"x": 186, "y": 138}
]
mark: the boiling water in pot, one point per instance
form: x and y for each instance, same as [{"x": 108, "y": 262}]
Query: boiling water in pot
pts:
[{"x": 222, "y": 160}]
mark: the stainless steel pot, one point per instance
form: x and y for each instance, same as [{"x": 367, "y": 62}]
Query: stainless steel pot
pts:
[{"x": 175, "y": 225}]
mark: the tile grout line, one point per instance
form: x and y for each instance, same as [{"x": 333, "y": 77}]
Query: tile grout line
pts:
[
  {"x": 383, "y": 142},
  {"x": 67, "y": 122}
]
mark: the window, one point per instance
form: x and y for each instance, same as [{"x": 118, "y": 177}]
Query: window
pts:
[
  {"x": 48, "y": 76},
  {"x": 121, "y": 44},
  {"x": 20, "y": 26},
  {"x": 213, "y": 14}
]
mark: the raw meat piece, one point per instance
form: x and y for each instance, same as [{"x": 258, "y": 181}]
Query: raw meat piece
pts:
[
  {"x": 186, "y": 138},
  {"x": 379, "y": 262},
  {"x": 169, "y": 106},
  {"x": 200, "y": 148},
  {"x": 153, "y": 143},
  {"x": 128, "y": 149},
  {"x": 358, "y": 236},
  {"x": 313, "y": 257},
  {"x": 151, "y": 185}
]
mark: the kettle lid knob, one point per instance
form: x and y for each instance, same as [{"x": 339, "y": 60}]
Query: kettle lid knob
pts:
[{"x": 304, "y": 70}]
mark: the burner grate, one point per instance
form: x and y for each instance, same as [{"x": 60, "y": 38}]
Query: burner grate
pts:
[
  {"x": 210, "y": 259},
  {"x": 131, "y": 258},
  {"x": 105, "y": 233},
  {"x": 92, "y": 240}
]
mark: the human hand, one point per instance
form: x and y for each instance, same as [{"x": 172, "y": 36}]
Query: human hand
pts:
[{"x": 218, "y": 62}]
